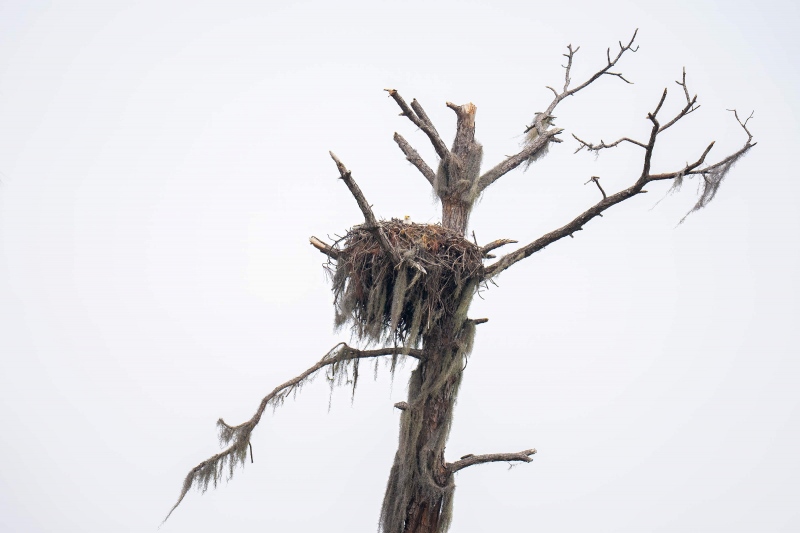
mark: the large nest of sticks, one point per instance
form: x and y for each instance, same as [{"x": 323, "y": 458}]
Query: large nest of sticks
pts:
[{"x": 384, "y": 301}]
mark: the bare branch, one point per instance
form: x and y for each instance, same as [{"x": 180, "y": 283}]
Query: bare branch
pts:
[
  {"x": 324, "y": 247},
  {"x": 712, "y": 177},
  {"x": 414, "y": 158},
  {"x": 496, "y": 244},
  {"x": 690, "y": 107},
  {"x": 567, "y": 230},
  {"x": 651, "y": 144},
  {"x": 213, "y": 468},
  {"x": 690, "y": 167},
  {"x": 420, "y": 112},
  {"x": 420, "y": 120},
  {"x": 516, "y": 160},
  {"x": 597, "y": 147},
  {"x": 744, "y": 124},
  {"x": 596, "y": 180},
  {"x": 604, "y": 71},
  {"x": 369, "y": 217},
  {"x": 469, "y": 459},
  {"x": 355, "y": 190},
  {"x": 540, "y": 142}
]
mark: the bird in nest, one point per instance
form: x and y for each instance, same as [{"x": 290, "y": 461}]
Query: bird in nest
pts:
[{"x": 407, "y": 220}]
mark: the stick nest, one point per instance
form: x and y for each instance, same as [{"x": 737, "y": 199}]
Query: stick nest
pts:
[{"x": 383, "y": 301}]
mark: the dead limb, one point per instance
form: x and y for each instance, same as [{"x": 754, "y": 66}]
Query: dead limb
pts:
[
  {"x": 355, "y": 190},
  {"x": 596, "y": 180},
  {"x": 369, "y": 217},
  {"x": 213, "y": 468},
  {"x": 469, "y": 460},
  {"x": 324, "y": 247},
  {"x": 494, "y": 245},
  {"x": 517, "y": 159},
  {"x": 414, "y": 158},
  {"x": 712, "y": 176},
  {"x": 417, "y": 115},
  {"x": 542, "y": 120}
]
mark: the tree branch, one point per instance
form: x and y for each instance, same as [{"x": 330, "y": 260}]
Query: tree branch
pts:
[
  {"x": 485, "y": 249},
  {"x": 324, "y": 247},
  {"x": 542, "y": 120},
  {"x": 420, "y": 119},
  {"x": 567, "y": 230},
  {"x": 213, "y": 468},
  {"x": 355, "y": 190},
  {"x": 596, "y": 180},
  {"x": 414, "y": 158},
  {"x": 469, "y": 460},
  {"x": 517, "y": 159},
  {"x": 597, "y": 147},
  {"x": 369, "y": 217},
  {"x": 712, "y": 176},
  {"x": 691, "y": 104}
]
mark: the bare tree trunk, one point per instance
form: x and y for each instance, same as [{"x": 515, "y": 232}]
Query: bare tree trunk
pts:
[
  {"x": 455, "y": 214},
  {"x": 433, "y": 394}
]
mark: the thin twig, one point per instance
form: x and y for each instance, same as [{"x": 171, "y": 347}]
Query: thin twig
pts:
[{"x": 596, "y": 180}]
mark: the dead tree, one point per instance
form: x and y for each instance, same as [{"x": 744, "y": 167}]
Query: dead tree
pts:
[{"x": 408, "y": 288}]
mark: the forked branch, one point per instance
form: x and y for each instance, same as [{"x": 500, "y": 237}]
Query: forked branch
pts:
[
  {"x": 417, "y": 115},
  {"x": 469, "y": 460},
  {"x": 214, "y": 468},
  {"x": 543, "y": 136},
  {"x": 712, "y": 174}
]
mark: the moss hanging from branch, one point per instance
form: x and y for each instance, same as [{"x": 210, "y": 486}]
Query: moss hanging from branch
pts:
[{"x": 386, "y": 302}]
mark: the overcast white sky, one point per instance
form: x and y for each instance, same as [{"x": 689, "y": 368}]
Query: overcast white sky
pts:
[{"x": 163, "y": 164}]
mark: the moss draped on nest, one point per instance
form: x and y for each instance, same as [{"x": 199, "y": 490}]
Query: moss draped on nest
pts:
[{"x": 385, "y": 302}]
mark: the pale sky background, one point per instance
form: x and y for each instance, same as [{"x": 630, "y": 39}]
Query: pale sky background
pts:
[{"x": 163, "y": 164}]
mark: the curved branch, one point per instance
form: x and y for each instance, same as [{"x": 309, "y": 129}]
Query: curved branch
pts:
[
  {"x": 212, "y": 468},
  {"x": 469, "y": 460}
]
